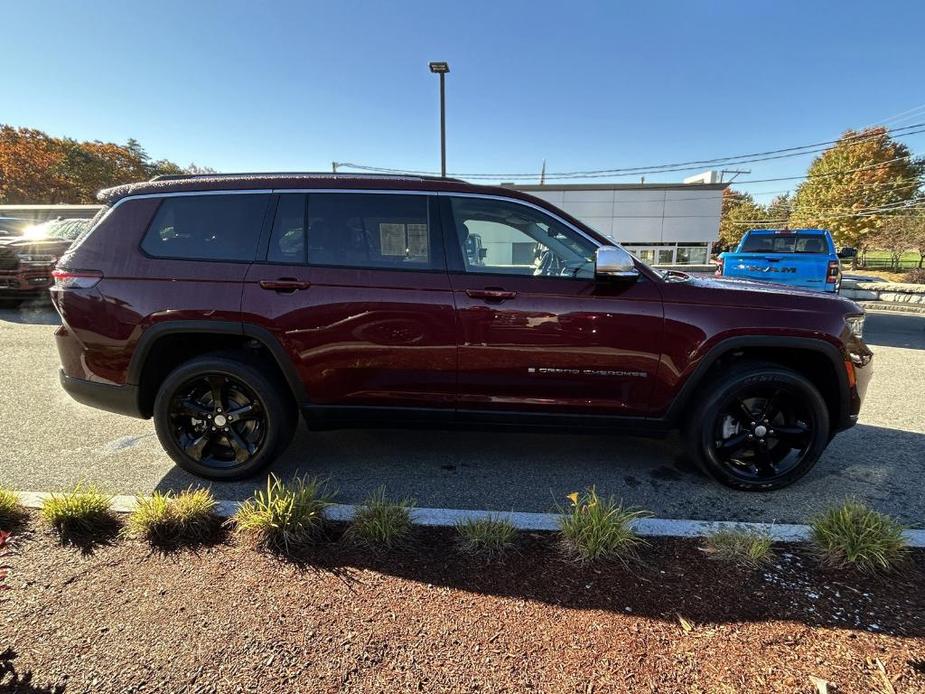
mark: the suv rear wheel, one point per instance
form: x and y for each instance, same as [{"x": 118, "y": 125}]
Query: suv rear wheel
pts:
[
  {"x": 758, "y": 427},
  {"x": 221, "y": 418}
]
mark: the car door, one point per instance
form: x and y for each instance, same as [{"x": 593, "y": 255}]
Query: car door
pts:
[
  {"x": 536, "y": 332},
  {"x": 354, "y": 286}
]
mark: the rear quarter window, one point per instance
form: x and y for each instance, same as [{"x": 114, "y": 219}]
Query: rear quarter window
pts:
[
  {"x": 207, "y": 227},
  {"x": 785, "y": 243}
]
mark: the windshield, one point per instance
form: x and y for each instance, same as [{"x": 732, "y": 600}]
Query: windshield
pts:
[
  {"x": 784, "y": 243},
  {"x": 13, "y": 227}
]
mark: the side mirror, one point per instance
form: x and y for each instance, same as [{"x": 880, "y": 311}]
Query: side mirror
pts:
[
  {"x": 848, "y": 252},
  {"x": 614, "y": 262}
]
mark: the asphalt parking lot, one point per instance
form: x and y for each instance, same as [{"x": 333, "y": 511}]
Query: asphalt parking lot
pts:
[{"x": 48, "y": 443}]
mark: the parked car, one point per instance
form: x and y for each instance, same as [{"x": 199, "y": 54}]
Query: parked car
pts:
[
  {"x": 225, "y": 306},
  {"x": 13, "y": 226},
  {"x": 28, "y": 253},
  {"x": 803, "y": 258}
]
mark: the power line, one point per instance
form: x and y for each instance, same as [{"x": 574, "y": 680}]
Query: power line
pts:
[{"x": 768, "y": 155}]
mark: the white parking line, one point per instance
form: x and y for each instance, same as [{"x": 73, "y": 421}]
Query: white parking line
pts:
[{"x": 450, "y": 517}]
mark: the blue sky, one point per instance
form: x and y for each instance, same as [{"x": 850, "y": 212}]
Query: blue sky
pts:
[{"x": 295, "y": 85}]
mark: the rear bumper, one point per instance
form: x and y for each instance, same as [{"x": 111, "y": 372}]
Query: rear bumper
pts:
[{"x": 103, "y": 396}]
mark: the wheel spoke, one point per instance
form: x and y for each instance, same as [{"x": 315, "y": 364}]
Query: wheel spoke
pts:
[
  {"x": 244, "y": 412},
  {"x": 732, "y": 444},
  {"x": 797, "y": 433},
  {"x": 217, "y": 386},
  {"x": 771, "y": 407},
  {"x": 745, "y": 414},
  {"x": 242, "y": 450},
  {"x": 763, "y": 462},
  {"x": 192, "y": 409},
  {"x": 196, "y": 446}
]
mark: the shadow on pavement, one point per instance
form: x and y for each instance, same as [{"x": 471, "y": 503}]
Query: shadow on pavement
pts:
[
  {"x": 534, "y": 472},
  {"x": 34, "y": 312}
]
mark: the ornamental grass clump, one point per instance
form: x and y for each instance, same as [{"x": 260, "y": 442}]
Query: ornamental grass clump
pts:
[
  {"x": 81, "y": 513},
  {"x": 593, "y": 529},
  {"x": 285, "y": 517},
  {"x": 745, "y": 548},
  {"x": 11, "y": 511},
  {"x": 380, "y": 523},
  {"x": 188, "y": 517},
  {"x": 854, "y": 535},
  {"x": 488, "y": 538}
]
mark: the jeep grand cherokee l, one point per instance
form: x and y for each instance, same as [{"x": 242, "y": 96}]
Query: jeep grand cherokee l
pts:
[{"x": 225, "y": 306}]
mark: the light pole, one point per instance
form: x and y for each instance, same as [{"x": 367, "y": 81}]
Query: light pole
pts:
[{"x": 441, "y": 68}]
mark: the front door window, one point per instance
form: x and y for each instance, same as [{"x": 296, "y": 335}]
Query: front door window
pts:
[{"x": 505, "y": 238}]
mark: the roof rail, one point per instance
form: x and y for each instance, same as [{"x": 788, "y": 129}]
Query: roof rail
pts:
[{"x": 294, "y": 174}]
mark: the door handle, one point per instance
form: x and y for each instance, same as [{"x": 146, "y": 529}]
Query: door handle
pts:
[
  {"x": 284, "y": 285},
  {"x": 490, "y": 294}
]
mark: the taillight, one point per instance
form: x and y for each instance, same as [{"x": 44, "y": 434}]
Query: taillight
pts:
[
  {"x": 76, "y": 279},
  {"x": 831, "y": 276}
]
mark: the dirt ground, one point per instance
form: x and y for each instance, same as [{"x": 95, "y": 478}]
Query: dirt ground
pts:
[{"x": 123, "y": 617}]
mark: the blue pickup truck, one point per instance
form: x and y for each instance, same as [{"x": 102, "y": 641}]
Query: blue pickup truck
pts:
[{"x": 803, "y": 258}]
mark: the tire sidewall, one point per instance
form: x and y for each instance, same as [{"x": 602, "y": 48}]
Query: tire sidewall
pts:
[
  {"x": 279, "y": 421},
  {"x": 703, "y": 434}
]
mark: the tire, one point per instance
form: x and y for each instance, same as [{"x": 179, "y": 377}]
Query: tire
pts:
[
  {"x": 188, "y": 421},
  {"x": 727, "y": 436}
]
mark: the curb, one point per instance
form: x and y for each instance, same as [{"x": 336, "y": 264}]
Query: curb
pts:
[
  {"x": 450, "y": 517},
  {"x": 892, "y": 307}
]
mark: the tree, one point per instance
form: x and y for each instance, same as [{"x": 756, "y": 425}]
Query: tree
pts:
[
  {"x": 895, "y": 237},
  {"x": 194, "y": 168},
  {"x": 778, "y": 210},
  {"x": 740, "y": 213},
  {"x": 851, "y": 187},
  {"x": 38, "y": 168},
  {"x": 31, "y": 167}
]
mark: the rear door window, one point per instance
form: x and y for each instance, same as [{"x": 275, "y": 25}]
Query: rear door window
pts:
[
  {"x": 384, "y": 231},
  {"x": 207, "y": 227},
  {"x": 287, "y": 242}
]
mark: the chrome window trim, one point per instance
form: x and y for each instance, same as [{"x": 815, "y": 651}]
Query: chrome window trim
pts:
[{"x": 538, "y": 208}]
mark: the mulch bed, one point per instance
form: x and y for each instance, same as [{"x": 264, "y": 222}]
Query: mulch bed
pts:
[{"x": 123, "y": 617}]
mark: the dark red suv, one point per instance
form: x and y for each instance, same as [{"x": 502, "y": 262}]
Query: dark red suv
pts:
[{"x": 225, "y": 306}]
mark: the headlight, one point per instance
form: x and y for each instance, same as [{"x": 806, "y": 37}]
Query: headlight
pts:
[
  {"x": 37, "y": 258},
  {"x": 855, "y": 325}
]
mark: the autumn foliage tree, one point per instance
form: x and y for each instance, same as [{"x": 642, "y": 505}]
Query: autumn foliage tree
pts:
[
  {"x": 740, "y": 213},
  {"x": 37, "y": 168},
  {"x": 856, "y": 185}
]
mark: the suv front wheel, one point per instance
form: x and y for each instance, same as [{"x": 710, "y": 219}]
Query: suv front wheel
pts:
[
  {"x": 758, "y": 427},
  {"x": 221, "y": 418}
]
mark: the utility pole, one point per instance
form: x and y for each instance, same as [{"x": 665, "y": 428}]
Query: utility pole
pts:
[
  {"x": 734, "y": 172},
  {"x": 543, "y": 173},
  {"x": 334, "y": 167},
  {"x": 442, "y": 68}
]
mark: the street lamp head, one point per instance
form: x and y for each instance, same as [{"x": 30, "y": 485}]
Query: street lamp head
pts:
[{"x": 440, "y": 67}]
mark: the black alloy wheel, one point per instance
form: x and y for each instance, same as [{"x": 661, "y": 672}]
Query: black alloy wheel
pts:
[
  {"x": 224, "y": 416},
  {"x": 217, "y": 420},
  {"x": 762, "y": 432},
  {"x": 761, "y": 428}
]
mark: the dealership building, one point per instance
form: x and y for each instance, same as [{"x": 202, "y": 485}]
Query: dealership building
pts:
[{"x": 661, "y": 223}]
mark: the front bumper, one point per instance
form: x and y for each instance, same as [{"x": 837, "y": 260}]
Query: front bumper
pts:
[
  {"x": 103, "y": 396},
  {"x": 25, "y": 282}
]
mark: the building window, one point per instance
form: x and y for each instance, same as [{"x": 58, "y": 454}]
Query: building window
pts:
[{"x": 692, "y": 255}]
